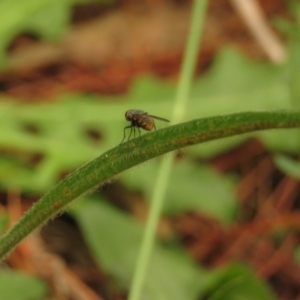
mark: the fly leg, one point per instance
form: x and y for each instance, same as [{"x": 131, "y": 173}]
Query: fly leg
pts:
[
  {"x": 130, "y": 126},
  {"x": 133, "y": 131}
]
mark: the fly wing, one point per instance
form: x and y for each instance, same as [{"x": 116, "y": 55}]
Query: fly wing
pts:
[{"x": 159, "y": 118}]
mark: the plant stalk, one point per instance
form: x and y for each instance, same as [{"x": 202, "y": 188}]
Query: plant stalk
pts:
[{"x": 105, "y": 167}]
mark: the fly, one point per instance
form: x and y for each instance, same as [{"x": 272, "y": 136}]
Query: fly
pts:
[{"x": 140, "y": 119}]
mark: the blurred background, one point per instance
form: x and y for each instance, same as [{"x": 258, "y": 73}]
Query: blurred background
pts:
[{"x": 70, "y": 69}]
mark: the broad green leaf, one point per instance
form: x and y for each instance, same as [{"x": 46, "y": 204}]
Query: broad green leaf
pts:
[
  {"x": 15, "y": 173},
  {"x": 191, "y": 187},
  {"x": 52, "y": 21},
  {"x": 236, "y": 84},
  {"x": 115, "y": 238},
  {"x": 46, "y": 18},
  {"x": 18, "y": 286},
  {"x": 238, "y": 282},
  {"x": 18, "y": 16}
]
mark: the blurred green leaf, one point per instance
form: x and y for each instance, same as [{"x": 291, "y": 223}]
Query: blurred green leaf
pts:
[
  {"x": 288, "y": 27},
  {"x": 18, "y": 286},
  {"x": 238, "y": 282},
  {"x": 288, "y": 165},
  {"x": 51, "y": 21},
  {"x": 191, "y": 187},
  {"x": 62, "y": 138},
  {"x": 20, "y": 16},
  {"x": 46, "y": 18},
  {"x": 115, "y": 238}
]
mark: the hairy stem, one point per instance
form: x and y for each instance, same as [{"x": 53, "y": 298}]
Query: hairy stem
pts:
[{"x": 136, "y": 151}]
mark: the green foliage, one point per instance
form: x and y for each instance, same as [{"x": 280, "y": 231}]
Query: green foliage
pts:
[
  {"x": 18, "y": 286},
  {"x": 292, "y": 29},
  {"x": 63, "y": 126},
  {"x": 129, "y": 154},
  {"x": 238, "y": 282},
  {"x": 287, "y": 165},
  {"x": 46, "y": 18},
  {"x": 60, "y": 137},
  {"x": 203, "y": 190},
  {"x": 115, "y": 238}
]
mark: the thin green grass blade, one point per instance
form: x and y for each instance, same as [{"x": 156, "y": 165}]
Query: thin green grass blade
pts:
[
  {"x": 180, "y": 104},
  {"x": 104, "y": 168}
]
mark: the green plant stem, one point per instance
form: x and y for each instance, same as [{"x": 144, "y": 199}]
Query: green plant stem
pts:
[
  {"x": 179, "y": 108},
  {"x": 189, "y": 61},
  {"x": 136, "y": 151}
]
